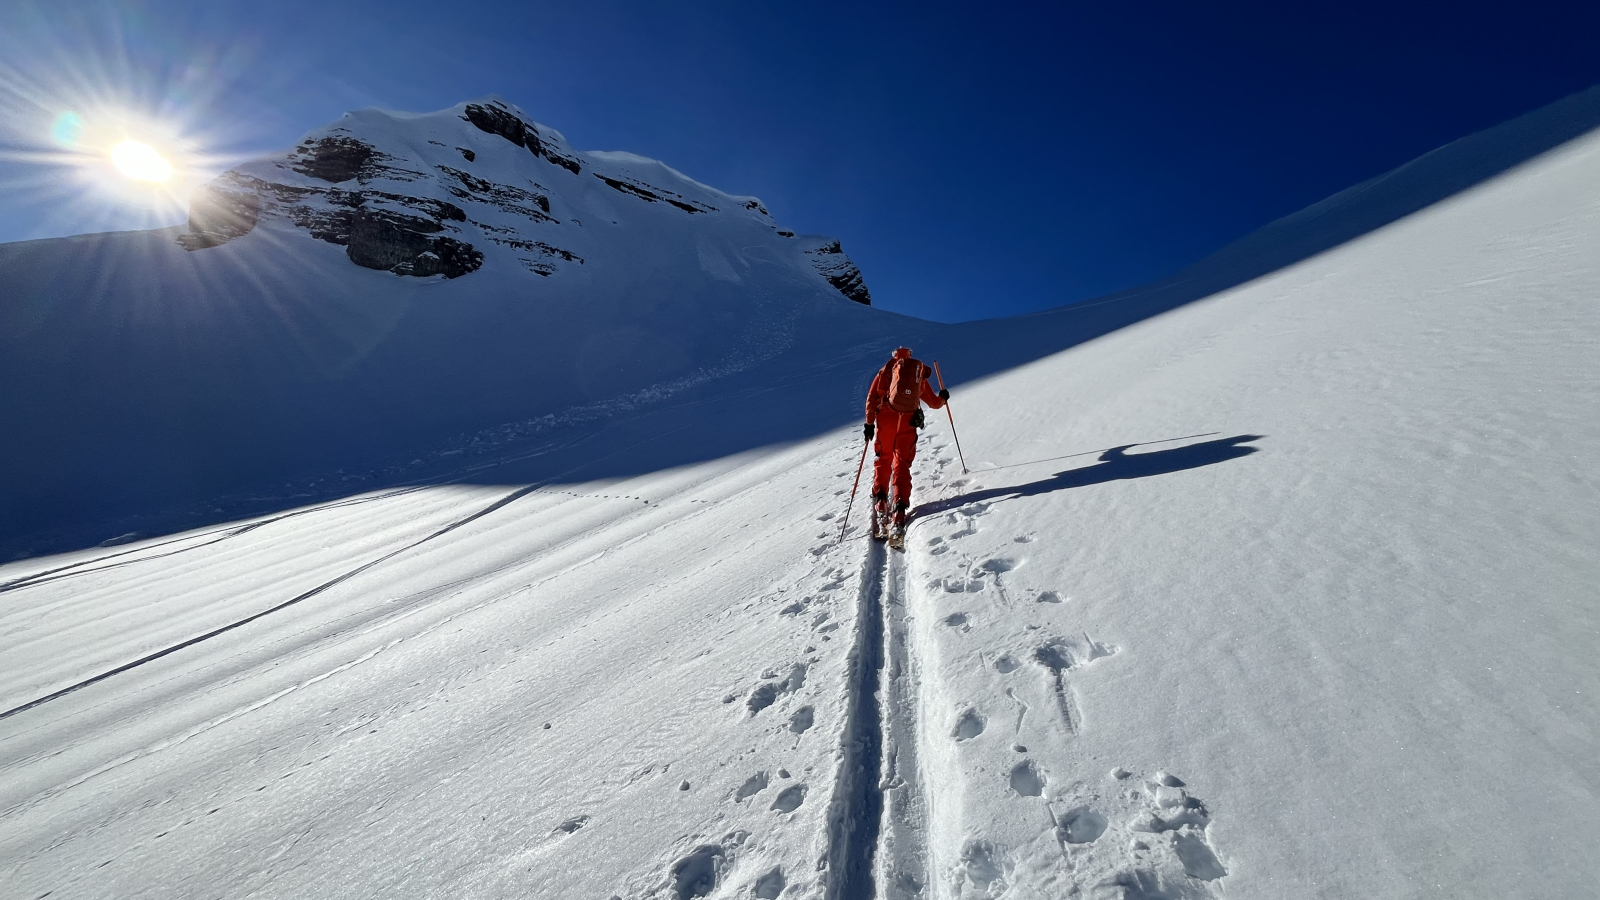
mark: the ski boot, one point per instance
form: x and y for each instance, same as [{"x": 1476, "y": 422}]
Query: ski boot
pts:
[
  {"x": 880, "y": 516},
  {"x": 897, "y": 526}
]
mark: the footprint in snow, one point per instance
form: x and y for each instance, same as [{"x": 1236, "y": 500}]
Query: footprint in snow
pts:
[
  {"x": 697, "y": 874},
  {"x": 762, "y": 697},
  {"x": 985, "y": 866},
  {"x": 1170, "y": 810},
  {"x": 957, "y": 620},
  {"x": 801, "y": 720},
  {"x": 1027, "y": 780},
  {"x": 1141, "y": 837},
  {"x": 1081, "y": 825},
  {"x": 1060, "y": 655},
  {"x": 753, "y": 785},
  {"x": 998, "y": 565},
  {"x": 1007, "y": 664},
  {"x": 789, "y": 799},
  {"x": 766, "y": 693},
  {"x": 968, "y": 726},
  {"x": 1048, "y": 597},
  {"x": 571, "y": 825}
]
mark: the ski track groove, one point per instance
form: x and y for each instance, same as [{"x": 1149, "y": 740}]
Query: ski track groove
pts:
[
  {"x": 901, "y": 865},
  {"x": 877, "y": 821},
  {"x": 855, "y": 812}
]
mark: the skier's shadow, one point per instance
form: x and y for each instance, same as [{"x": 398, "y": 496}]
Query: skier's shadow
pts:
[{"x": 1116, "y": 464}]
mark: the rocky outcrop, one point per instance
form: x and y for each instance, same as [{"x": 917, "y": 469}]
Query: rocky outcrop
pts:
[
  {"x": 496, "y": 119},
  {"x": 829, "y": 259},
  {"x": 408, "y": 245},
  {"x": 334, "y": 158},
  {"x": 378, "y": 229},
  {"x": 652, "y": 194},
  {"x": 509, "y": 198},
  {"x": 537, "y": 256}
]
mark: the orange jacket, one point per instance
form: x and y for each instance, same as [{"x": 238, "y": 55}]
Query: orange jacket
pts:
[{"x": 878, "y": 394}]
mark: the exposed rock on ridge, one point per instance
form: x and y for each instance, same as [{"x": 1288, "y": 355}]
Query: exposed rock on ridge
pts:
[
  {"x": 829, "y": 258},
  {"x": 497, "y": 119}
]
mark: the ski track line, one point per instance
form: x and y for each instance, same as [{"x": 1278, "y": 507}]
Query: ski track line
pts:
[
  {"x": 856, "y": 809},
  {"x": 902, "y": 866},
  {"x": 306, "y": 595},
  {"x": 230, "y": 531},
  {"x": 368, "y": 628},
  {"x": 223, "y": 534},
  {"x": 497, "y": 505},
  {"x": 208, "y": 725}
]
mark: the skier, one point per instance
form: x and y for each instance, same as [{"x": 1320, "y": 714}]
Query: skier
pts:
[{"x": 894, "y": 413}]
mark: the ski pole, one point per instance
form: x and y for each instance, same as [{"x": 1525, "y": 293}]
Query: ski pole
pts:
[
  {"x": 845, "y": 525},
  {"x": 952, "y": 416}
]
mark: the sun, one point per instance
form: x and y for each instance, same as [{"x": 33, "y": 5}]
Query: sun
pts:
[{"x": 140, "y": 161}]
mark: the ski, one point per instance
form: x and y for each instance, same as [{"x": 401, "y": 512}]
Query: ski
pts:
[
  {"x": 897, "y": 538},
  {"x": 897, "y": 532}
]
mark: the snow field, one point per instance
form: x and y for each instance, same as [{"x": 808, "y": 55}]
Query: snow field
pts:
[
  {"x": 1285, "y": 593},
  {"x": 1333, "y": 643},
  {"x": 407, "y": 706}
]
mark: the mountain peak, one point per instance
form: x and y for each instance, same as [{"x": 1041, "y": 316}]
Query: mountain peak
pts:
[{"x": 482, "y": 184}]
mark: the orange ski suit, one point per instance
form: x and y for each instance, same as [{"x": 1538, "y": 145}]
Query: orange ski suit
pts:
[{"x": 894, "y": 440}]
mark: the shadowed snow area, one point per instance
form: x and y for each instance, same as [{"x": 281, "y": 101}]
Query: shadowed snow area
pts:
[{"x": 1285, "y": 591}]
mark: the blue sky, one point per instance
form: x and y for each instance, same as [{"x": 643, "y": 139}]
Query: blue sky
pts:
[{"x": 977, "y": 160}]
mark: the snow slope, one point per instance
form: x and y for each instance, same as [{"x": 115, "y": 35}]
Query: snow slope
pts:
[
  {"x": 1285, "y": 592},
  {"x": 150, "y": 380}
]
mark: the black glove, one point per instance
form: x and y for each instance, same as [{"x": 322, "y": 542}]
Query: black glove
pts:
[
  {"x": 867, "y": 428},
  {"x": 944, "y": 394},
  {"x": 919, "y": 419}
]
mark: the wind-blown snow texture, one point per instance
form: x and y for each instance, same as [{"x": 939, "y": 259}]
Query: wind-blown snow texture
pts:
[{"x": 1287, "y": 592}]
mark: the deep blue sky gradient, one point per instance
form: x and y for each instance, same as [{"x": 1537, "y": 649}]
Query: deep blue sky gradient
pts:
[{"x": 977, "y": 160}]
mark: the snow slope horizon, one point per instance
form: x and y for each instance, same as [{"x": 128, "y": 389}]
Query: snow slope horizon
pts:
[
  {"x": 305, "y": 386},
  {"x": 1336, "y": 642}
]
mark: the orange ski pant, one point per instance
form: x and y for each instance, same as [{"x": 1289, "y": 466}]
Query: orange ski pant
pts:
[{"x": 894, "y": 447}]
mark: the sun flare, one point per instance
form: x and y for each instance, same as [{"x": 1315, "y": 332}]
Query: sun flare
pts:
[{"x": 140, "y": 162}]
